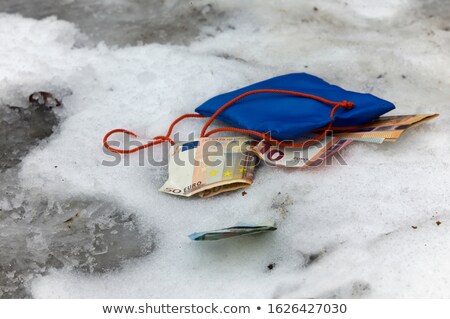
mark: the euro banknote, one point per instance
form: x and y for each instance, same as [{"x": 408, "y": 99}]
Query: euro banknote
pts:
[
  {"x": 222, "y": 189},
  {"x": 238, "y": 230},
  {"x": 385, "y": 128},
  {"x": 310, "y": 156},
  {"x": 210, "y": 166}
]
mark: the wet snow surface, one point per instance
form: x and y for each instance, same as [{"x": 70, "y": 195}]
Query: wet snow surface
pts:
[{"x": 72, "y": 227}]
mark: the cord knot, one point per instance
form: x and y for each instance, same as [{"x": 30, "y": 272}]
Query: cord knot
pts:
[{"x": 346, "y": 104}]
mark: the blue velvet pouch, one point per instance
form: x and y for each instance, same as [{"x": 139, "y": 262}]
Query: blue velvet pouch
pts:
[{"x": 288, "y": 117}]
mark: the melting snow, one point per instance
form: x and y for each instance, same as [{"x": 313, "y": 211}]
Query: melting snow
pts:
[{"x": 343, "y": 230}]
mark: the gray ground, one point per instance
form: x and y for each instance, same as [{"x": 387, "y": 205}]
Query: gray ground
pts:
[
  {"x": 89, "y": 234},
  {"x": 130, "y": 22}
]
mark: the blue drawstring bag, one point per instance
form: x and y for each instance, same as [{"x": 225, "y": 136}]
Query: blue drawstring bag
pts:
[{"x": 289, "y": 117}]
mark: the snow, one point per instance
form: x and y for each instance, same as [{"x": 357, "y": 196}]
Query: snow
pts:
[{"x": 343, "y": 230}]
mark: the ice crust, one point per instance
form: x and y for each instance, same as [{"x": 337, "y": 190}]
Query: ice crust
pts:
[{"x": 344, "y": 231}]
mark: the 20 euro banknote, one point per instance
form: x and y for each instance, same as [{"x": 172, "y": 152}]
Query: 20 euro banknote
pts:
[{"x": 385, "y": 128}]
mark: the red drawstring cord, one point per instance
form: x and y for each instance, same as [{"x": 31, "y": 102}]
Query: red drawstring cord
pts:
[
  {"x": 156, "y": 140},
  {"x": 160, "y": 139}
]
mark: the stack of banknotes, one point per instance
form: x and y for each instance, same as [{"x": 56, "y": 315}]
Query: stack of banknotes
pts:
[
  {"x": 235, "y": 231},
  {"x": 210, "y": 166},
  {"x": 213, "y": 165}
]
